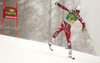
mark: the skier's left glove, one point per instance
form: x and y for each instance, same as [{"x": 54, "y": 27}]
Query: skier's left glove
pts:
[
  {"x": 58, "y": 4},
  {"x": 83, "y": 30}
]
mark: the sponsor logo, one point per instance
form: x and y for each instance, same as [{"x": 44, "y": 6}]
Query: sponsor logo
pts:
[{"x": 10, "y": 12}]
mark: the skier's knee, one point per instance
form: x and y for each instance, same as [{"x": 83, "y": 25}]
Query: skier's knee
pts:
[{"x": 69, "y": 45}]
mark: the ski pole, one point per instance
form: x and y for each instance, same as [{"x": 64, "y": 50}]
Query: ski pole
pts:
[{"x": 91, "y": 40}]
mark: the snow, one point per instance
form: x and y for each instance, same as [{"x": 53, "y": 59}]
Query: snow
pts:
[{"x": 17, "y": 50}]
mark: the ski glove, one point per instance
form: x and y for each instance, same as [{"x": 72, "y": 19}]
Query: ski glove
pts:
[
  {"x": 83, "y": 29},
  {"x": 58, "y": 4}
]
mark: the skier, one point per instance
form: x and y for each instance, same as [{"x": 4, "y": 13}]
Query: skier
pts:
[{"x": 65, "y": 26}]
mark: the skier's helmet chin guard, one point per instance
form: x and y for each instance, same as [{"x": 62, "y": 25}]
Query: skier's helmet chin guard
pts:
[{"x": 77, "y": 9}]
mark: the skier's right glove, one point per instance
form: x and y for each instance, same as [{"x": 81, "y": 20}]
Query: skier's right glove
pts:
[
  {"x": 83, "y": 30},
  {"x": 58, "y": 4}
]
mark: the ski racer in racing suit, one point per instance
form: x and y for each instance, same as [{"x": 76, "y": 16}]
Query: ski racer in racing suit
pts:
[{"x": 72, "y": 16}]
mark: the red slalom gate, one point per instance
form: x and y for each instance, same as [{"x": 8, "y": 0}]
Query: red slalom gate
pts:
[{"x": 10, "y": 13}]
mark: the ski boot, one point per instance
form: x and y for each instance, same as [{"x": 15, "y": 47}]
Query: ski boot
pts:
[
  {"x": 70, "y": 54},
  {"x": 50, "y": 43}
]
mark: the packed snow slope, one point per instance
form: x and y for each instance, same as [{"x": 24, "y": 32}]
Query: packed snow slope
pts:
[{"x": 16, "y": 50}]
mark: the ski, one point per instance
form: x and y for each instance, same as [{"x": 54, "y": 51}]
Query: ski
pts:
[
  {"x": 50, "y": 48},
  {"x": 72, "y": 58}
]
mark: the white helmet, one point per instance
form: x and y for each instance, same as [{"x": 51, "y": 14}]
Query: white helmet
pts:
[{"x": 77, "y": 8}]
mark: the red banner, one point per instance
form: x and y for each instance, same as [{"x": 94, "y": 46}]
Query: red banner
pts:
[{"x": 10, "y": 12}]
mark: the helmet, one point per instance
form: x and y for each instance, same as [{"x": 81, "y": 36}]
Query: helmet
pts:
[{"x": 77, "y": 8}]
